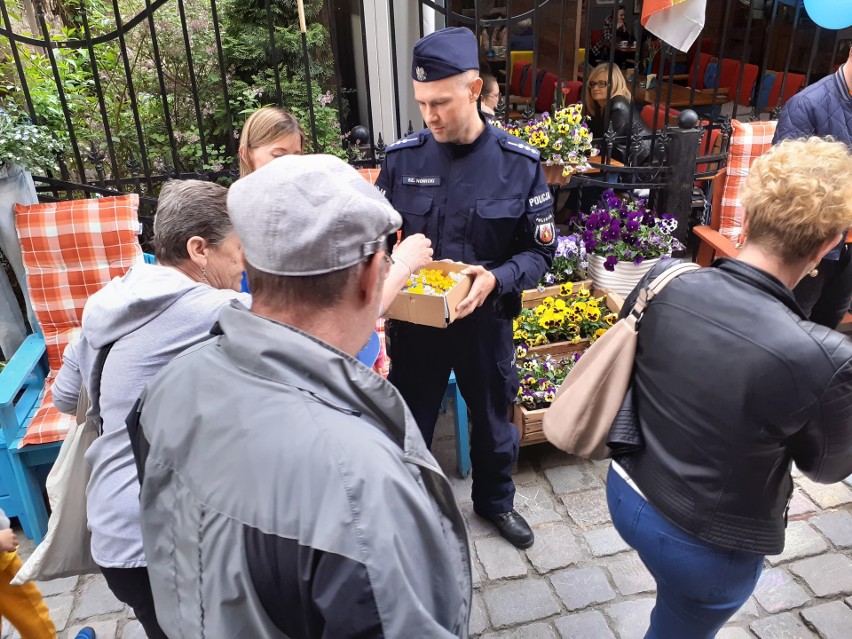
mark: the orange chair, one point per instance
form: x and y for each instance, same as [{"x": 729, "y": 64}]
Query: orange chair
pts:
[
  {"x": 571, "y": 92},
  {"x": 656, "y": 120},
  {"x": 795, "y": 82}
]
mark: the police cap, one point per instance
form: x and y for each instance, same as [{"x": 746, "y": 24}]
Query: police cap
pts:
[{"x": 443, "y": 54}]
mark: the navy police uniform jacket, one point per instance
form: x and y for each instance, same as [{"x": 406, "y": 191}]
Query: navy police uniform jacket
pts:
[{"x": 482, "y": 203}]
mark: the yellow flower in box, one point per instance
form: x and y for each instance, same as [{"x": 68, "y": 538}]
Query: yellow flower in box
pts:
[
  {"x": 599, "y": 332},
  {"x": 584, "y": 292},
  {"x": 575, "y": 339},
  {"x": 611, "y": 319},
  {"x": 560, "y": 305},
  {"x": 593, "y": 314},
  {"x": 566, "y": 289},
  {"x": 540, "y": 339},
  {"x": 529, "y": 342},
  {"x": 579, "y": 306}
]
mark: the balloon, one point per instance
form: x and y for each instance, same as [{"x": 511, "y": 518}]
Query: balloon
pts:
[{"x": 830, "y": 14}]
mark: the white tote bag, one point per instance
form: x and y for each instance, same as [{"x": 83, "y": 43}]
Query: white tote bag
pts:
[{"x": 66, "y": 549}]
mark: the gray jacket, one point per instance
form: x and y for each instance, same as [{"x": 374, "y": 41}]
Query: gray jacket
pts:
[
  {"x": 287, "y": 492},
  {"x": 150, "y": 315}
]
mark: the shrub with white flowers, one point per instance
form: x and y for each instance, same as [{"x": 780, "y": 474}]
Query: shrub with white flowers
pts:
[{"x": 32, "y": 146}]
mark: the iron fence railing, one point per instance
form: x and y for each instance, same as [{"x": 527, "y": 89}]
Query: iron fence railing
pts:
[{"x": 737, "y": 36}]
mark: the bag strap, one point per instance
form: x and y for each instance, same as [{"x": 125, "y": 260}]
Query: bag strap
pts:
[
  {"x": 95, "y": 398},
  {"x": 660, "y": 282}
]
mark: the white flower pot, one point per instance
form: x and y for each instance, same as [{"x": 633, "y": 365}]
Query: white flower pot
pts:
[{"x": 623, "y": 279}]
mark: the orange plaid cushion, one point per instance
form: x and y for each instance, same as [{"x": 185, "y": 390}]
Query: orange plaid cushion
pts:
[
  {"x": 371, "y": 175},
  {"x": 749, "y": 140},
  {"x": 70, "y": 251},
  {"x": 48, "y": 424}
]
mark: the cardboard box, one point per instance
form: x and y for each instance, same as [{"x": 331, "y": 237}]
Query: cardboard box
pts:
[{"x": 432, "y": 310}]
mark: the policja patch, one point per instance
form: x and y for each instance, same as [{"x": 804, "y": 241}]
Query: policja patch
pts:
[{"x": 545, "y": 230}]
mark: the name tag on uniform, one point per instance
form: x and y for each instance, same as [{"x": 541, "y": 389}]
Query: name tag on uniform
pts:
[{"x": 421, "y": 181}]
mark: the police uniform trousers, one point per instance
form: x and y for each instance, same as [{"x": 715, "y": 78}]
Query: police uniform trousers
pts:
[{"x": 479, "y": 349}]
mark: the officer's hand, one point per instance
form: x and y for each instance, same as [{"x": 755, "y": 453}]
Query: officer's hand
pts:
[
  {"x": 483, "y": 283},
  {"x": 415, "y": 251}
]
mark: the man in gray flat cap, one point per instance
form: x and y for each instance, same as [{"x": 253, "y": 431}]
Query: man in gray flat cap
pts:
[{"x": 287, "y": 491}]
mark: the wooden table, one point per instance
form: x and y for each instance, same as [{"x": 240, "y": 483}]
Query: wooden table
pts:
[{"x": 681, "y": 96}]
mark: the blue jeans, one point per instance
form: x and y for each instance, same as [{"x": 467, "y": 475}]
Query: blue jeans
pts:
[{"x": 699, "y": 586}]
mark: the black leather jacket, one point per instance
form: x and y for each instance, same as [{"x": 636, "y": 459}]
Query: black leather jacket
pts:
[
  {"x": 619, "y": 114},
  {"x": 731, "y": 385}
]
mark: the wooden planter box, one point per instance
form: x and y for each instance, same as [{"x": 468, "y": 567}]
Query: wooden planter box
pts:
[
  {"x": 529, "y": 423},
  {"x": 532, "y": 297},
  {"x": 614, "y": 302}
]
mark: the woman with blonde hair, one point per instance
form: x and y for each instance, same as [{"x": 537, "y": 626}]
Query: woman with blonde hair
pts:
[
  {"x": 760, "y": 388},
  {"x": 607, "y": 84},
  {"x": 269, "y": 133},
  {"x": 272, "y": 132}
]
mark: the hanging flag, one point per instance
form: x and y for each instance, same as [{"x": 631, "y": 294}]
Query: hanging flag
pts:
[{"x": 677, "y": 22}]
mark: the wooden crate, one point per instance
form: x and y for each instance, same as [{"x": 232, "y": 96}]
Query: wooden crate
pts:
[
  {"x": 614, "y": 302},
  {"x": 529, "y": 423},
  {"x": 532, "y": 297}
]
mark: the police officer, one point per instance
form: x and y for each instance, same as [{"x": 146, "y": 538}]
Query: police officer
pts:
[{"x": 480, "y": 196}]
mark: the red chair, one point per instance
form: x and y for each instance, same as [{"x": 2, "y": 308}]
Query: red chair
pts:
[
  {"x": 697, "y": 79},
  {"x": 795, "y": 83},
  {"x": 518, "y": 77},
  {"x": 656, "y": 120},
  {"x": 546, "y": 91},
  {"x": 572, "y": 92},
  {"x": 729, "y": 76},
  {"x": 597, "y": 34}
]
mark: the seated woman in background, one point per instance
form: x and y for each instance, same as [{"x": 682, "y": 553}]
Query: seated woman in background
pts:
[
  {"x": 272, "y": 132},
  {"x": 620, "y": 112},
  {"x": 706, "y": 499},
  {"x": 522, "y": 37},
  {"x": 490, "y": 95},
  {"x": 600, "y": 49},
  {"x": 149, "y": 316}
]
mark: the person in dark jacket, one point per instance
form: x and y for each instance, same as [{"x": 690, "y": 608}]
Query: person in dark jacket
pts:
[
  {"x": 625, "y": 120},
  {"x": 824, "y": 109},
  {"x": 732, "y": 385}
]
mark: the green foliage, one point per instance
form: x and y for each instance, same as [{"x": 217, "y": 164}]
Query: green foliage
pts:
[
  {"x": 249, "y": 75},
  {"x": 27, "y": 144}
]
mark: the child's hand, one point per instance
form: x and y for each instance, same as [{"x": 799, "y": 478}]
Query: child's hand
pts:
[{"x": 8, "y": 540}]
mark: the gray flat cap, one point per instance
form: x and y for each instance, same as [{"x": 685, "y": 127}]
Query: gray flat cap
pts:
[{"x": 308, "y": 215}]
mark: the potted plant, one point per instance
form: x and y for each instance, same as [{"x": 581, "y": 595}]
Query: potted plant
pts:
[
  {"x": 539, "y": 377},
  {"x": 569, "y": 265},
  {"x": 564, "y": 324},
  {"x": 564, "y": 141},
  {"x": 23, "y": 147},
  {"x": 625, "y": 239}
]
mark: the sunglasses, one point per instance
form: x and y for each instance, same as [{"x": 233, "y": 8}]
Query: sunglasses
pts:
[{"x": 602, "y": 84}]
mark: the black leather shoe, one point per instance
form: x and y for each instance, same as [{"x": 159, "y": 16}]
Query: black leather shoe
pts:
[{"x": 512, "y": 527}]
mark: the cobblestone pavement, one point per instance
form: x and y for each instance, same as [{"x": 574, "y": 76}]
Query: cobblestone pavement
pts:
[{"x": 580, "y": 580}]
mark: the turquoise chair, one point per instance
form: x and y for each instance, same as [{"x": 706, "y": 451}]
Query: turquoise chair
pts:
[
  {"x": 23, "y": 469},
  {"x": 461, "y": 426}
]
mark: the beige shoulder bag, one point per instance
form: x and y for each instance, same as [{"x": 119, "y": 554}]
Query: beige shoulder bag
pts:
[{"x": 579, "y": 419}]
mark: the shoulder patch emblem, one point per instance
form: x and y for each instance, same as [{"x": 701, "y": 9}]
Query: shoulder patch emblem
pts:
[
  {"x": 545, "y": 230},
  {"x": 519, "y": 146}
]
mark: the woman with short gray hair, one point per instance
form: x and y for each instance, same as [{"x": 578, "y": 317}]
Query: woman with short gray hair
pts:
[{"x": 141, "y": 322}]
